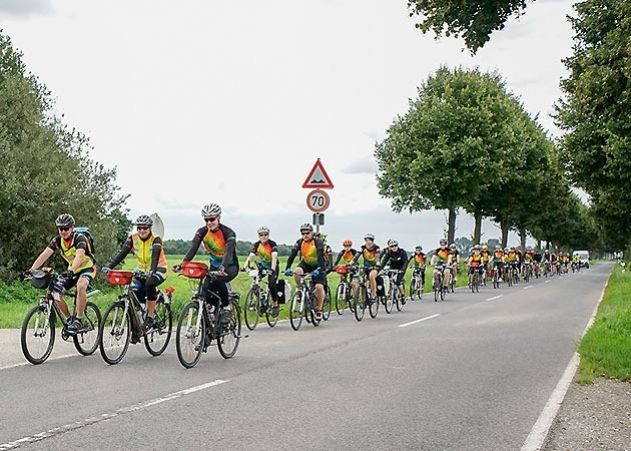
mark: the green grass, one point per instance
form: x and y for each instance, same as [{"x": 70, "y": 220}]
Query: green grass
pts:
[
  {"x": 606, "y": 348},
  {"x": 14, "y": 308}
]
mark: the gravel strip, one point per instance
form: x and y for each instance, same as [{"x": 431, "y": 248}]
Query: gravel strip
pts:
[{"x": 593, "y": 417}]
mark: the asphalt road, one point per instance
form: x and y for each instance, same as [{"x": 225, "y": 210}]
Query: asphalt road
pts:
[{"x": 475, "y": 377}]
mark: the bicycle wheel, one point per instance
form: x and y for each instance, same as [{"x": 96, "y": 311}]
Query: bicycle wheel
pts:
[
  {"x": 228, "y": 341},
  {"x": 442, "y": 293},
  {"x": 38, "y": 334},
  {"x": 251, "y": 309},
  {"x": 373, "y": 307},
  {"x": 157, "y": 339},
  {"x": 477, "y": 283},
  {"x": 412, "y": 290},
  {"x": 326, "y": 307},
  {"x": 389, "y": 300},
  {"x": 270, "y": 317},
  {"x": 115, "y": 333},
  {"x": 471, "y": 283},
  {"x": 296, "y": 311},
  {"x": 87, "y": 340},
  {"x": 359, "y": 302},
  {"x": 190, "y": 336},
  {"x": 340, "y": 298},
  {"x": 398, "y": 300}
]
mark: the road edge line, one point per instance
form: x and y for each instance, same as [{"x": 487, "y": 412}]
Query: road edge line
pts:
[
  {"x": 541, "y": 428},
  {"x": 436, "y": 315}
]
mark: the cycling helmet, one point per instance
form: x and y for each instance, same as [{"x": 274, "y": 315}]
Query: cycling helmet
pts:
[
  {"x": 498, "y": 247},
  {"x": 211, "y": 210},
  {"x": 144, "y": 220},
  {"x": 443, "y": 242},
  {"x": 452, "y": 246},
  {"x": 529, "y": 248},
  {"x": 512, "y": 248},
  {"x": 262, "y": 229},
  {"x": 369, "y": 236},
  {"x": 347, "y": 243},
  {"x": 306, "y": 227},
  {"x": 485, "y": 247},
  {"x": 506, "y": 249},
  {"x": 64, "y": 220},
  {"x": 392, "y": 242},
  {"x": 476, "y": 247},
  {"x": 418, "y": 248}
]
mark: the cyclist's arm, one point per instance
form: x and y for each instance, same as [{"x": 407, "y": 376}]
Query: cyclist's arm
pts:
[
  {"x": 156, "y": 249},
  {"x": 384, "y": 259},
  {"x": 339, "y": 257},
  {"x": 231, "y": 246},
  {"x": 197, "y": 240},
  {"x": 433, "y": 260},
  {"x": 274, "y": 260},
  {"x": 320, "y": 249},
  {"x": 81, "y": 246},
  {"x": 292, "y": 256},
  {"x": 247, "y": 260},
  {"x": 127, "y": 246},
  {"x": 42, "y": 258}
]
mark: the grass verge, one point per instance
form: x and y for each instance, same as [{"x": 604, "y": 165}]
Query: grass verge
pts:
[{"x": 606, "y": 348}]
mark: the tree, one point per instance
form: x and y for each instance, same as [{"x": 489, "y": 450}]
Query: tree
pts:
[
  {"x": 474, "y": 20},
  {"x": 46, "y": 171},
  {"x": 458, "y": 129},
  {"x": 596, "y": 147}
]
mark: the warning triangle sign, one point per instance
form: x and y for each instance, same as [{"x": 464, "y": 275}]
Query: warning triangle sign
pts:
[{"x": 318, "y": 178}]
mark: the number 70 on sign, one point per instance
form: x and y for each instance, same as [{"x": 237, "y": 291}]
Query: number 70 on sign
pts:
[{"x": 318, "y": 201}]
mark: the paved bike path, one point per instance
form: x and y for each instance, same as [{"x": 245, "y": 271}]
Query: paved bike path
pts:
[{"x": 475, "y": 377}]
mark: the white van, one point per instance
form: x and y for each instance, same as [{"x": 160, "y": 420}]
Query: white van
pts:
[{"x": 584, "y": 255}]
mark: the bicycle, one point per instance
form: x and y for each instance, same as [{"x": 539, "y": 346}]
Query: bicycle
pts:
[
  {"x": 200, "y": 321},
  {"x": 37, "y": 335},
  {"x": 344, "y": 290},
  {"x": 303, "y": 303},
  {"x": 257, "y": 303},
  {"x": 361, "y": 299},
  {"x": 438, "y": 285},
  {"x": 527, "y": 270},
  {"x": 474, "y": 279},
  {"x": 418, "y": 283},
  {"x": 123, "y": 320},
  {"x": 497, "y": 275},
  {"x": 453, "y": 278},
  {"x": 393, "y": 297}
]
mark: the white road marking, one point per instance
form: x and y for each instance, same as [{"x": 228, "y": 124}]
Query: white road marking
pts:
[
  {"x": 16, "y": 365},
  {"x": 540, "y": 430},
  {"x": 419, "y": 320},
  {"x": 527, "y": 287},
  {"x": 548, "y": 281},
  {"x": 494, "y": 298},
  {"x": 108, "y": 415}
]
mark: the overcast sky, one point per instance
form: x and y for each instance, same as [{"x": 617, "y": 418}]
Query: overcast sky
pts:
[{"x": 232, "y": 102}]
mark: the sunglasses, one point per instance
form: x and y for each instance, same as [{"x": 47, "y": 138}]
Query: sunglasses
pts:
[
  {"x": 306, "y": 233},
  {"x": 63, "y": 229},
  {"x": 142, "y": 228},
  {"x": 212, "y": 219},
  {"x": 263, "y": 234}
]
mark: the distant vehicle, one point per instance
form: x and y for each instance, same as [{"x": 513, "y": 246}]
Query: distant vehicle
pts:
[{"x": 584, "y": 256}]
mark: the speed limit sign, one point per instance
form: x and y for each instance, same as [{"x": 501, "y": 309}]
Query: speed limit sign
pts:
[{"x": 318, "y": 201}]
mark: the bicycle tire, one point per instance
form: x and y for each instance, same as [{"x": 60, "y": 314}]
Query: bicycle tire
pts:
[
  {"x": 116, "y": 338},
  {"x": 187, "y": 329},
  {"x": 29, "y": 353},
  {"x": 373, "y": 308},
  {"x": 228, "y": 340},
  {"x": 296, "y": 308},
  {"x": 398, "y": 301},
  {"x": 326, "y": 307},
  {"x": 165, "y": 317},
  {"x": 91, "y": 321},
  {"x": 359, "y": 300},
  {"x": 271, "y": 319},
  {"x": 251, "y": 309},
  {"x": 389, "y": 300},
  {"x": 340, "y": 298}
]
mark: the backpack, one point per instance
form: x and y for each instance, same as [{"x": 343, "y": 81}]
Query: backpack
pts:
[{"x": 85, "y": 231}]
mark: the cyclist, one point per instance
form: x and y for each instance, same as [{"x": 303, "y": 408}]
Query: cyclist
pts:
[
  {"x": 347, "y": 254},
  {"x": 455, "y": 260},
  {"x": 398, "y": 259},
  {"x": 420, "y": 259},
  {"x": 441, "y": 261},
  {"x": 75, "y": 248},
  {"x": 311, "y": 252},
  {"x": 486, "y": 257},
  {"x": 512, "y": 258},
  {"x": 475, "y": 262},
  {"x": 499, "y": 258},
  {"x": 150, "y": 260},
  {"x": 370, "y": 254},
  {"x": 221, "y": 244},
  {"x": 265, "y": 251}
]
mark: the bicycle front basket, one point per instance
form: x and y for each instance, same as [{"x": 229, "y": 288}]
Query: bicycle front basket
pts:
[{"x": 41, "y": 279}]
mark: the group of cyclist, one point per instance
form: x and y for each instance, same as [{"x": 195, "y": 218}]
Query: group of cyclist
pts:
[{"x": 316, "y": 259}]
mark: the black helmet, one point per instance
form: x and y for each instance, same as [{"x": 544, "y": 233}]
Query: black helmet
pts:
[
  {"x": 144, "y": 220},
  {"x": 64, "y": 220}
]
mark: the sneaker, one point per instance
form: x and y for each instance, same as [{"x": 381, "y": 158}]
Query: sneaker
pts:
[
  {"x": 275, "y": 310},
  {"x": 318, "y": 316},
  {"x": 207, "y": 341},
  {"x": 148, "y": 324},
  {"x": 74, "y": 324}
]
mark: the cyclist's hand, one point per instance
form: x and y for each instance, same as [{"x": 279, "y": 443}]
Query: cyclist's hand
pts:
[
  {"x": 105, "y": 269},
  {"x": 243, "y": 269},
  {"x": 316, "y": 273},
  {"x": 138, "y": 272},
  {"x": 222, "y": 271},
  {"x": 26, "y": 274},
  {"x": 68, "y": 274},
  {"x": 177, "y": 268},
  {"x": 288, "y": 272}
]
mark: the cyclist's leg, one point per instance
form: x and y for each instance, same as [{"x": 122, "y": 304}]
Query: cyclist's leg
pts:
[
  {"x": 399, "y": 281},
  {"x": 372, "y": 277},
  {"x": 299, "y": 271},
  {"x": 60, "y": 286},
  {"x": 446, "y": 277},
  {"x": 271, "y": 282},
  {"x": 151, "y": 285}
]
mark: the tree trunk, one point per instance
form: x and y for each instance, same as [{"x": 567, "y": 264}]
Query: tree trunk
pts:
[
  {"x": 522, "y": 235},
  {"x": 477, "y": 232},
  {"x": 451, "y": 231},
  {"x": 505, "y": 228},
  {"x": 539, "y": 244}
]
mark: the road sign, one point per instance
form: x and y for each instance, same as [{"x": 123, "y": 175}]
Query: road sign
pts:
[
  {"x": 318, "y": 200},
  {"x": 318, "y": 219},
  {"x": 318, "y": 178}
]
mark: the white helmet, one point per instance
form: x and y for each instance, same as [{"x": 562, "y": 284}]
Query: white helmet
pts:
[
  {"x": 263, "y": 229},
  {"x": 392, "y": 242},
  {"x": 211, "y": 210},
  {"x": 144, "y": 220},
  {"x": 369, "y": 236}
]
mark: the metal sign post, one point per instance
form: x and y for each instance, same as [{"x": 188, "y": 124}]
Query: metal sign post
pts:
[{"x": 318, "y": 200}]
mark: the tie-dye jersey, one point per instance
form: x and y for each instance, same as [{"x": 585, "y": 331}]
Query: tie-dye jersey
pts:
[
  {"x": 442, "y": 255},
  {"x": 370, "y": 256},
  {"x": 347, "y": 256},
  {"x": 309, "y": 252},
  {"x": 419, "y": 259},
  {"x": 216, "y": 243},
  {"x": 264, "y": 252}
]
